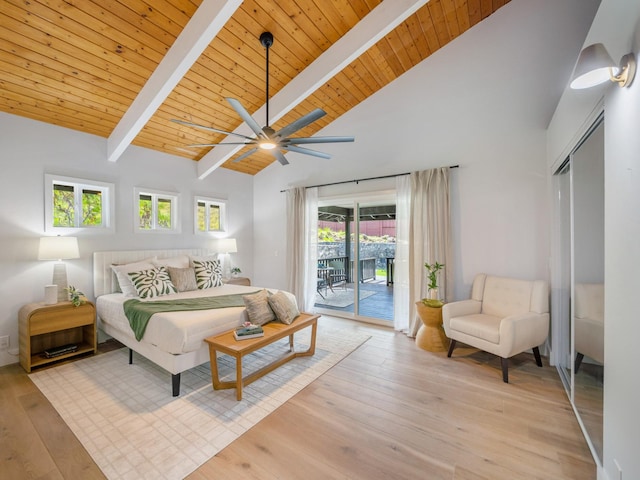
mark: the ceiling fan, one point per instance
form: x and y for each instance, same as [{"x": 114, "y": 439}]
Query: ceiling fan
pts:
[{"x": 266, "y": 137}]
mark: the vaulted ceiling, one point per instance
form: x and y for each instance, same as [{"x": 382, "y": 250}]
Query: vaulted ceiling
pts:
[{"x": 122, "y": 69}]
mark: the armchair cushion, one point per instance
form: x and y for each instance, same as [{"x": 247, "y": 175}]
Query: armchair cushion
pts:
[
  {"x": 480, "y": 325},
  {"x": 506, "y": 296}
]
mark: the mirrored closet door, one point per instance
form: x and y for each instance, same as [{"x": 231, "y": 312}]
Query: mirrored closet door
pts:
[{"x": 578, "y": 281}]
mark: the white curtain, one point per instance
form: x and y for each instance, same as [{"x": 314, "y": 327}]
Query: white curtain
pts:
[
  {"x": 423, "y": 229},
  {"x": 402, "y": 308},
  {"x": 302, "y": 235}
]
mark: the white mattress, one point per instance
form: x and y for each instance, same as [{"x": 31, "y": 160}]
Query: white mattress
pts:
[{"x": 177, "y": 332}]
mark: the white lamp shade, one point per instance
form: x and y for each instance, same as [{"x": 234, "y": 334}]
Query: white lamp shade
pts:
[
  {"x": 58, "y": 248},
  {"x": 592, "y": 67},
  {"x": 227, "y": 245}
]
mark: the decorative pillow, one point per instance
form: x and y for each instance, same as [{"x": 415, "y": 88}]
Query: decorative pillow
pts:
[
  {"x": 181, "y": 261},
  {"x": 258, "y": 309},
  {"x": 208, "y": 273},
  {"x": 284, "y": 307},
  {"x": 207, "y": 258},
  {"x": 154, "y": 282},
  {"x": 184, "y": 279},
  {"x": 122, "y": 271}
]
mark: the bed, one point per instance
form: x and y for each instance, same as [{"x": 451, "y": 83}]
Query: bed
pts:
[{"x": 172, "y": 340}]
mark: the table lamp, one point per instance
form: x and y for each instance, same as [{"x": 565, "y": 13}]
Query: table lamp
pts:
[
  {"x": 59, "y": 248},
  {"x": 225, "y": 246}
]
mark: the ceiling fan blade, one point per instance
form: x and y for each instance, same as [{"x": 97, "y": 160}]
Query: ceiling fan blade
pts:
[
  {"x": 304, "y": 140},
  {"x": 306, "y": 151},
  {"x": 199, "y": 145},
  {"x": 245, "y": 155},
  {"x": 248, "y": 119},
  {"x": 211, "y": 129},
  {"x": 279, "y": 156},
  {"x": 301, "y": 123}
]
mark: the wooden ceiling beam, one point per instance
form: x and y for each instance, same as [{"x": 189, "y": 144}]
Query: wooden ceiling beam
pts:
[
  {"x": 382, "y": 19},
  {"x": 205, "y": 24}
]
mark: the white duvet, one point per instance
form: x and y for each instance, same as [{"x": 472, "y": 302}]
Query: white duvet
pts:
[{"x": 177, "y": 332}]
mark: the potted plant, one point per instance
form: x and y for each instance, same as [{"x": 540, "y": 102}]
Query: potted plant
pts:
[
  {"x": 235, "y": 271},
  {"x": 431, "y": 335},
  {"x": 76, "y": 296},
  {"x": 432, "y": 275}
]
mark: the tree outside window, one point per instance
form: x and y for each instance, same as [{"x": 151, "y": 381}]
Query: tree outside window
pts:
[
  {"x": 157, "y": 211},
  {"x": 77, "y": 203},
  {"x": 209, "y": 215}
]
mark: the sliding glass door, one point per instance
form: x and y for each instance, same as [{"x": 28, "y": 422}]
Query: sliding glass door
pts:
[{"x": 356, "y": 251}]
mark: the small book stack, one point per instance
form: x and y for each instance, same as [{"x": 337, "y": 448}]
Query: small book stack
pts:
[
  {"x": 251, "y": 331},
  {"x": 57, "y": 351}
]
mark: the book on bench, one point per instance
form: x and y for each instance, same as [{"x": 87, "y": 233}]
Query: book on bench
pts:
[{"x": 252, "y": 331}]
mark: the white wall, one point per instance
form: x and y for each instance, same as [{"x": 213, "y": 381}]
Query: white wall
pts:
[
  {"x": 617, "y": 26},
  {"x": 30, "y": 149},
  {"x": 482, "y": 102}
]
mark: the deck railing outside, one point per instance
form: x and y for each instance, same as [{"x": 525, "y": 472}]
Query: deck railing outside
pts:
[{"x": 367, "y": 267}]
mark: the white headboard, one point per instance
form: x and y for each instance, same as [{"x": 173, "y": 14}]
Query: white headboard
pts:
[{"x": 104, "y": 281}]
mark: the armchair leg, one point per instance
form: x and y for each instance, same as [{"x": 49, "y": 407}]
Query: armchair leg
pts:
[
  {"x": 579, "y": 358},
  {"x": 452, "y": 345},
  {"x": 536, "y": 353},
  {"x": 505, "y": 369}
]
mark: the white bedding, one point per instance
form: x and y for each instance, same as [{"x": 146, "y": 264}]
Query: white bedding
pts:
[{"x": 177, "y": 332}]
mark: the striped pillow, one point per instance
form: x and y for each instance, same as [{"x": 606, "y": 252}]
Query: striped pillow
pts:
[
  {"x": 284, "y": 307},
  {"x": 258, "y": 309}
]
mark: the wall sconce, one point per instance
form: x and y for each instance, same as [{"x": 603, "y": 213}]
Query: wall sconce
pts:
[
  {"x": 59, "y": 248},
  {"x": 595, "y": 66}
]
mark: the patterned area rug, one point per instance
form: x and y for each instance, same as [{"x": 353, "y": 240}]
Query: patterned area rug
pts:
[
  {"x": 340, "y": 297},
  {"x": 126, "y": 418}
]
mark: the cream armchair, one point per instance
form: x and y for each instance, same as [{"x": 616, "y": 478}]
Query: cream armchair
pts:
[
  {"x": 589, "y": 322},
  {"x": 504, "y": 316}
]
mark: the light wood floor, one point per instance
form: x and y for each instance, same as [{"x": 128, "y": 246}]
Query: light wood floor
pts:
[{"x": 389, "y": 410}]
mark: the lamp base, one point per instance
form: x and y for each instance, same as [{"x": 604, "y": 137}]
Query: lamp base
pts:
[{"x": 60, "y": 279}]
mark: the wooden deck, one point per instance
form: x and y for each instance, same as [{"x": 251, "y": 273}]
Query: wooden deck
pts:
[{"x": 379, "y": 305}]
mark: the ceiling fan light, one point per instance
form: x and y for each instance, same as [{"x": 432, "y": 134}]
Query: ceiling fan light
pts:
[{"x": 267, "y": 145}]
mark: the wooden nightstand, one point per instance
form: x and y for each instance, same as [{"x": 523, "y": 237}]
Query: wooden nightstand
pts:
[
  {"x": 43, "y": 327},
  {"x": 238, "y": 281}
]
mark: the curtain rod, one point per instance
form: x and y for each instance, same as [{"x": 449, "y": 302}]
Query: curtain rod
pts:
[{"x": 362, "y": 179}]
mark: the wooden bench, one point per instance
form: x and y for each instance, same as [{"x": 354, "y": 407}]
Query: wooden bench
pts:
[{"x": 273, "y": 331}]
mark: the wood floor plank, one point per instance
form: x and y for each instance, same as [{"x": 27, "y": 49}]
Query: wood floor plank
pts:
[
  {"x": 388, "y": 410},
  {"x": 35, "y": 442},
  {"x": 457, "y": 410},
  {"x": 70, "y": 457}
]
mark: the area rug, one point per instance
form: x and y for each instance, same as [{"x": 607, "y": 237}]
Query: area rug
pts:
[
  {"x": 133, "y": 428},
  {"x": 340, "y": 298}
]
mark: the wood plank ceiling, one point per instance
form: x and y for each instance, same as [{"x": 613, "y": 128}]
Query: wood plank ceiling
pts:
[{"x": 81, "y": 63}]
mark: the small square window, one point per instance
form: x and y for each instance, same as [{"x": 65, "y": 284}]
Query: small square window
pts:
[
  {"x": 156, "y": 211},
  {"x": 74, "y": 203},
  {"x": 209, "y": 215}
]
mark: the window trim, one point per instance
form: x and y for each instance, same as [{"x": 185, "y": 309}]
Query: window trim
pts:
[
  {"x": 175, "y": 210},
  {"x": 222, "y": 203},
  {"x": 108, "y": 204}
]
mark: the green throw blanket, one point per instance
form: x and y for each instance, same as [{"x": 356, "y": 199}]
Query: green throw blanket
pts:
[{"x": 139, "y": 312}]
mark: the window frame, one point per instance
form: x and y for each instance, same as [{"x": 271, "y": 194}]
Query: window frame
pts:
[
  {"x": 79, "y": 184},
  {"x": 155, "y": 195},
  {"x": 209, "y": 201}
]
